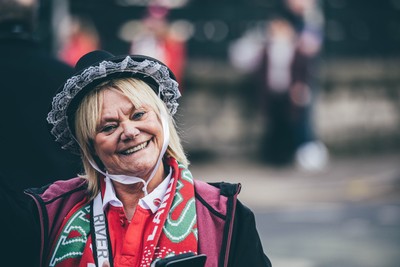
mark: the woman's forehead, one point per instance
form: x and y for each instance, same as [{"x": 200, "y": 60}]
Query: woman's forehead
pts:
[{"x": 137, "y": 95}]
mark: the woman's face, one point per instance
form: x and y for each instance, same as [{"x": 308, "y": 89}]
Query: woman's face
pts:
[{"x": 128, "y": 140}]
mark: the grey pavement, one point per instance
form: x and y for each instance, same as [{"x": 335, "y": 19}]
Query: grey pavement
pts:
[
  {"x": 349, "y": 178},
  {"x": 347, "y": 215}
]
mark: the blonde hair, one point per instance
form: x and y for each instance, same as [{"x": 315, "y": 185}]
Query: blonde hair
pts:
[{"x": 88, "y": 116}]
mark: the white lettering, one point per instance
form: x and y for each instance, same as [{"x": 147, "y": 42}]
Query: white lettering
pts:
[
  {"x": 171, "y": 182},
  {"x": 99, "y": 219},
  {"x": 101, "y": 231},
  {"x": 151, "y": 237},
  {"x": 156, "y": 219},
  {"x": 161, "y": 210},
  {"x": 101, "y": 242},
  {"x": 102, "y": 253}
]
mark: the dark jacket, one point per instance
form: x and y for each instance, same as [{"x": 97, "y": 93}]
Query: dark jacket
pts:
[
  {"x": 30, "y": 76},
  {"x": 226, "y": 228}
]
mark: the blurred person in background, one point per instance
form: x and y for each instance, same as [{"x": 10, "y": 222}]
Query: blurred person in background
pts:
[
  {"x": 29, "y": 74},
  {"x": 276, "y": 74},
  {"x": 136, "y": 201},
  {"x": 282, "y": 61},
  {"x": 80, "y": 38},
  {"x": 157, "y": 39},
  {"x": 307, "y": 19},
  {"x": 272, "y": 59}
]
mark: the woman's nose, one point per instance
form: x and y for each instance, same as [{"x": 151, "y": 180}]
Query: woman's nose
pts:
[{"x": 129, "y": 131}]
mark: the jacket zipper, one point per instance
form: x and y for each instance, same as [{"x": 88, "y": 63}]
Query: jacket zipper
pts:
[{"x": 232, "y": 219}]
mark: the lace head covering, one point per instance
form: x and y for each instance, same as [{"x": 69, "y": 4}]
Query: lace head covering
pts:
[{"x": 96, "y": 67}]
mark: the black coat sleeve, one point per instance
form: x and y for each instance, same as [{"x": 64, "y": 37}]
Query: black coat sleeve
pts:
[
  {"x": 246, "y": 247},
  {"x": 20, "y": 228}
]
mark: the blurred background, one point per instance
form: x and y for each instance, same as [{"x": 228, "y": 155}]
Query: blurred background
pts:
[{"x": 298, "y": 100}]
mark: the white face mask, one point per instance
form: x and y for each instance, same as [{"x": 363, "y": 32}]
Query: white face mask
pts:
[{"x": 126, "y": 179}]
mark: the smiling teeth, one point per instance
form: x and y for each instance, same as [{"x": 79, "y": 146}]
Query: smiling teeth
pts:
[{"x": 136, "y": 148}]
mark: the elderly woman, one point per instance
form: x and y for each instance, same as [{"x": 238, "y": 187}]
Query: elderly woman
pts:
[{"x": 136, "y": 202}]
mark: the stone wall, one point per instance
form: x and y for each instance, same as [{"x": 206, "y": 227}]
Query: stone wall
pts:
[
  {"x": 357, "y": 108},
  {"x": 359, "y": 105}
]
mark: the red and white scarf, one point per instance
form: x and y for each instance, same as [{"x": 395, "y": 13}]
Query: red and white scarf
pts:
[{"x": 171, "y": 230}]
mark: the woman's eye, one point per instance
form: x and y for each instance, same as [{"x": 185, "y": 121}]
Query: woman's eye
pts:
[
  {"x": 138, "y": 115},
  {"x": 108, "y": 128}
]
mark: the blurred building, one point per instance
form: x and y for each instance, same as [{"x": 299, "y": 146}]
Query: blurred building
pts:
[
  {"x": 353, "y": 27},
  {"x": 358, "y": 107}
]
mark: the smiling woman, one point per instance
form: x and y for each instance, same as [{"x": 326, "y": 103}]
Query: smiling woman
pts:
[
  {"x": 122, "y": 120},
  {"x": 136, "y": 201}
]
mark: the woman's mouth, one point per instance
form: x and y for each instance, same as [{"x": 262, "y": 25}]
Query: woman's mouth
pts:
[{"x": 135, "y": 148}]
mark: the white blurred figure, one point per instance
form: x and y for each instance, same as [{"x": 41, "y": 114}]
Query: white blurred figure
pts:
[{"x": 282, "y": 57}]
